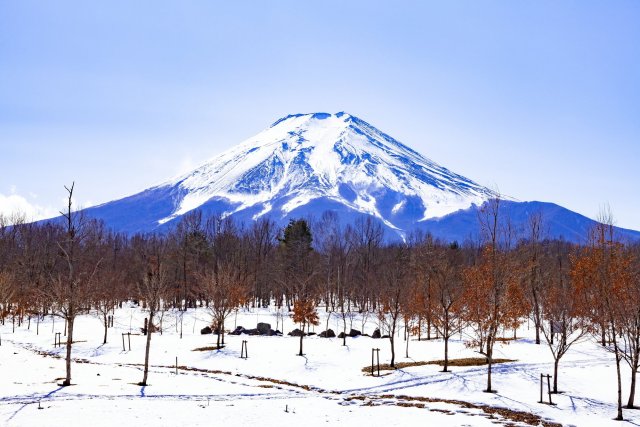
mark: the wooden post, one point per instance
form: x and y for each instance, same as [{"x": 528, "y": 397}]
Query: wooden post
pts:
[
  {"x": 378, "y": 359},
  {"x": 541, "y": 401},
  {"x": 244, "y": 351},
  {"x": 176, "y": 365},
  {"x": 548, "y": 377},
  {"x": 129, "y": 334},
  {"x": 372, "y": 361}
]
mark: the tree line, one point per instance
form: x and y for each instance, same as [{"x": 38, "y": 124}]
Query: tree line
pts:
[{"x": 483, "y": 289}]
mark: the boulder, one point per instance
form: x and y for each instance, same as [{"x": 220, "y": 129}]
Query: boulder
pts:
[
  {"x": 263, "y": 328},
  {"x": 354, "y": 333},
  {"x": 296, "y": 333},
  {"x": 327, "y": 334},
  {"x": 342, "y": 335},
  {"x": 376, "y": 334},
  {"x": 206, "y": 330},
  {"x": 237, "y": 331}
]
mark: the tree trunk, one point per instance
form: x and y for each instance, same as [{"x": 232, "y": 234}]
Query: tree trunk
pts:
[
  {"x": 106, "y": 325},
  {"x": 619, "y": 416},
  {"x": 146, "y": 350},
  {"x": 555, "y": 374},
  {"x": 536, "y": 315},
  {"x": 344, "y": 331},
  {"x": 301, "y": 337},
  {"x": 632, "y": 391},
  {"x": 618, "y": 357},
  {"x": 446, "y": 354},
  {"x": 445, "y": 335},
  {"x": 489, "y": 363},
  {"x": 407, "y": 349},
  {"x": 328, "y": 317},
  {"x": 222, "y": 331},
  {"x": 393, "y": 350},
  {"x": 67, "y": 380},
  {"x": 489, "y": 390}
]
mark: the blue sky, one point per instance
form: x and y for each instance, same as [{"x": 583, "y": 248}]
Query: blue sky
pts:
[{"x": 539, "y": 99}]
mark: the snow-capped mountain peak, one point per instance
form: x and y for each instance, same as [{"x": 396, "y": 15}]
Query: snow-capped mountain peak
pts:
[{"x": 331, "y": 159}]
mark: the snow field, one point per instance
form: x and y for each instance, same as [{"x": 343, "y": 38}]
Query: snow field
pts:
[{"x": 326, "y": 386}]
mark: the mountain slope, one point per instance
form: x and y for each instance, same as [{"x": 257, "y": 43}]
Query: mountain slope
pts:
[
  {"x": 338, "y": 160},
  {"x": 305, "y": 164}
]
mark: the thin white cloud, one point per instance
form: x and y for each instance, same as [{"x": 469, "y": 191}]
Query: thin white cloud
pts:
[{"x": 15, "y": 205}]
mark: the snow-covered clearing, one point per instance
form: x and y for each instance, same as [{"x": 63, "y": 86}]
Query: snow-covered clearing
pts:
[{"x": 276, "y": 387}]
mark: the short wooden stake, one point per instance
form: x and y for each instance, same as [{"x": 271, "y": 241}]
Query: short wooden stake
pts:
[
  {"x": 244, "y": 351},
  {"x": 548, "y": 377},
  {"x": 128, "y": 334},
  {"x": 375, "y": 361}
]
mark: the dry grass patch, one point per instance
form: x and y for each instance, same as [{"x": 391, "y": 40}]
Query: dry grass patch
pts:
[
  {"x": 509, "y": 416},
  {"x": 209, "y": 348}
]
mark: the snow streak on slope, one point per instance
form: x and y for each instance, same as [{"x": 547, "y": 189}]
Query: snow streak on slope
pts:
[{"x": 333, "y": 157}]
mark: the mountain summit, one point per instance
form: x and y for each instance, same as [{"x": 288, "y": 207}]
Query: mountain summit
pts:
[
  {"x": 333, "y": 158},
  {"x": 306, "y": 164}
]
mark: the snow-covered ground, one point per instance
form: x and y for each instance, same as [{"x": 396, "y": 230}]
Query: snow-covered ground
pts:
[{"x": 276, "y": 387}]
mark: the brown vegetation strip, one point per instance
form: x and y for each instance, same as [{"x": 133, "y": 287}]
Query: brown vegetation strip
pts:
[
  {"x": 419, "y": 402},
  {"x": 467, "y": 361},
  {"x": 210, "y": 348}
]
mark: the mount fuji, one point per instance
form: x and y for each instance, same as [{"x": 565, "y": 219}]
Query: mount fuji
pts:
[{"x": 306, "y": 164}]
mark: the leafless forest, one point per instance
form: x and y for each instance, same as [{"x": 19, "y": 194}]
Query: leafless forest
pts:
[{"x": 431, "y": 289}]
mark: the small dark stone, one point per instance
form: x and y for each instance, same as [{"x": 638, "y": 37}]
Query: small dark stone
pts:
[
  {"x": 327, "y": 334},
  {"x": 206, "y": 330},
  {"x": 296, "y": 333},
  {"x": 342, "y": 335},
  {"x": 237, "y": 331},
  {"x": 376, "y": 334},
  {"x": 385, "y": 336},
  {"x": 354, "y": 333}
]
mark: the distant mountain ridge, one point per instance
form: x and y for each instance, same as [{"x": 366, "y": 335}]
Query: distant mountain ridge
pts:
[{"x": 305, "y": 164}]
